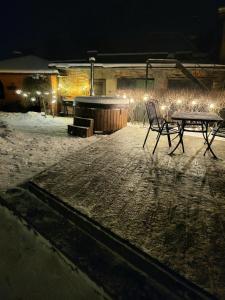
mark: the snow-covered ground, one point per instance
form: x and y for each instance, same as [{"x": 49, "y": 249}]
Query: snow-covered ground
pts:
[{"x": 29, "y": 143}]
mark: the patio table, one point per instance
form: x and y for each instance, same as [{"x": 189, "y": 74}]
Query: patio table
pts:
[{"x": 202, "y": 120}]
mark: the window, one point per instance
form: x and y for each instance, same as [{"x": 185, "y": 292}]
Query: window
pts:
[
  {"x": 187, "y": 83},
  {"x": 134, "y": 83},
  {"x": 99, "y": 87}
]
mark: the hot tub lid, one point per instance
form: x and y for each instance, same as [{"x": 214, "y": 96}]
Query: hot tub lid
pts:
[{"x": 104, "y": 100}]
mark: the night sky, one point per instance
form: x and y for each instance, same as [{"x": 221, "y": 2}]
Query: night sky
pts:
[{"x": 68, "y": 29}]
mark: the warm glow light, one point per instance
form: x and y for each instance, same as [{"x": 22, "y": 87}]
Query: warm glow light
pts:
[
  {"x": 46, "y": 93},
  {"x": 194, "y": 102},
  {"x": 146, "y": 97},
  {"x": 179, "y": 101},
  {"x": 163, "y": 107},
  {"x": 124, "y": 96},
  {"x": 33, "y": 99},
  {"x": 19, "y": 92},
  {"x": 25, "y": 95},
  {"x": 131, "y": 100},
  {"x": 53, "y": 92},
  {"x": 54, "y": 97},
  {"x": 211, "y": 105},
  {"x": 38, "y": 93},
  {"x": 53, "y": 101}
]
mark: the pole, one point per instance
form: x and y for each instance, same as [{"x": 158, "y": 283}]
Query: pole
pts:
[{"x": 92, "y": 60}]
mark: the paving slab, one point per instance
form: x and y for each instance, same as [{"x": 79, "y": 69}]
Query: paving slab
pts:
[{"x": 170, "y": 207}]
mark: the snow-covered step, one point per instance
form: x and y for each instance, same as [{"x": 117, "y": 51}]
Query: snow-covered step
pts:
[{"x": 80, "y": 131}]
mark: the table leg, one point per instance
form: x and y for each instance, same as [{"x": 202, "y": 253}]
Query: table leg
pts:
[
  {"x": 206, "y": 137},
  {"x": 180, "y": 142}
]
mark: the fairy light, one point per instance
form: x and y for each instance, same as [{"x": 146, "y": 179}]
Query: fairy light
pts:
[
  {"x": 54, "y": 97},
  {"x": 124, "y": 96},
  {"x": 194, "y": 102},
  {"x": 163, "y": 107},
  {"x": 46, "y": 93},
  {"x": 25, "y": 95},
  {"x": 53, "y": 92},
  {"x": 19, "y": 92},
  {"x": 53, "y": 101},
  {"x": 146, "y": 97},
  {"x": 211, "y": 105},
  {"x": 131, "y": 100},
  {"x": 33, "y": 99},
  {"x": 38, "y": 93},
  {"x": 179, "y": 101}
]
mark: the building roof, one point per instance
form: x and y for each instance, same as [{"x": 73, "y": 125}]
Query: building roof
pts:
[{"x": 26, "y": 64}]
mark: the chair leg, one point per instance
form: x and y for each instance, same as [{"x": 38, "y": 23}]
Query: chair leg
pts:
[
  {"x": 156, "y": 143},
  {"x": 146, "y": 136},
  {"x": 168, "y": 136}
]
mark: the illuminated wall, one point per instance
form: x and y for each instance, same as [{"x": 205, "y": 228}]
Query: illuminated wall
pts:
[{"x": 76, "y": 83}]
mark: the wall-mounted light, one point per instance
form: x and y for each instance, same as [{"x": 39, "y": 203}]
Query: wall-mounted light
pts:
[{"x": 19, "y": 92}]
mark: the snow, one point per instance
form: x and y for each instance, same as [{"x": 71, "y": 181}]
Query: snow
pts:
[{"x": 31, "y": 142}]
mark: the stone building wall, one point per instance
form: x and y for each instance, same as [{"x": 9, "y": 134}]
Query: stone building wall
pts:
[{"x": 77, "y": 83}]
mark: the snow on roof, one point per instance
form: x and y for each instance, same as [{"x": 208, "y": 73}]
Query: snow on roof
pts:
[
  {"x": 26, "y": 64},
  {"x": 134, "y": 65}
]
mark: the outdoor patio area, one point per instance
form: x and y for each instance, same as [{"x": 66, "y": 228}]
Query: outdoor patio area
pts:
[{"x": 171, "y": 207}]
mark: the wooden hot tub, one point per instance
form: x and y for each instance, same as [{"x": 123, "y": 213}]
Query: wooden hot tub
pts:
[{"x": 109, "y": 113}]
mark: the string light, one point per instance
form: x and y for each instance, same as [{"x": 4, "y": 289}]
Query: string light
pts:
[
  {"x": 163, "y": 107},
  {"x": 33, "y": 99},
  {"x": 46, "y": 93},
  {"x": 131, "y": 100},
  {"x": 53, "y": 101},
  {"x": 19, "y": 92},
  {"x": 146, "y": 97},
  {"x": 194, "y": 102},
  {"x": 124, "y": 96},
  {"x": 25, "y": 95},
  {"x": 38, "y": 93},
  {"x": 179, "y": 101},
  {"x": 211, "y": 105}
]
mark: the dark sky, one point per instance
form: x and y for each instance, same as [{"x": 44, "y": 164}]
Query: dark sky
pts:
[{"x": 55, "y": 29}]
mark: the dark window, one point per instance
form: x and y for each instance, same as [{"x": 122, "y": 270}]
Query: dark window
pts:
[
  {"x": 11, "y": 87},
  {"x": 187, "y": 83},
  {"x": 134, "y": 83},
  {"x": 99, "y": 87},
  {"x": 2, "y": 94}
]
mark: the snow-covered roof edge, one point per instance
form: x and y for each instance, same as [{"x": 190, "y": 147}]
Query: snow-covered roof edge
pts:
[{"x": 30, "y": 71}]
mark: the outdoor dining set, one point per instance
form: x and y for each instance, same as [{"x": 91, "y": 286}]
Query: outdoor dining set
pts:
[{"x": 209, "y": 124}]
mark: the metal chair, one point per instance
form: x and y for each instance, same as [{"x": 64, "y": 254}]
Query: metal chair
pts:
[
  {"x": 218, "y": 130},
  {"x": 159, "y": 124}
]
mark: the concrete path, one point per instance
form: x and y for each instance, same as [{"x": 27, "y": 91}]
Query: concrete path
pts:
[{"x": 171, "y": 207}]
